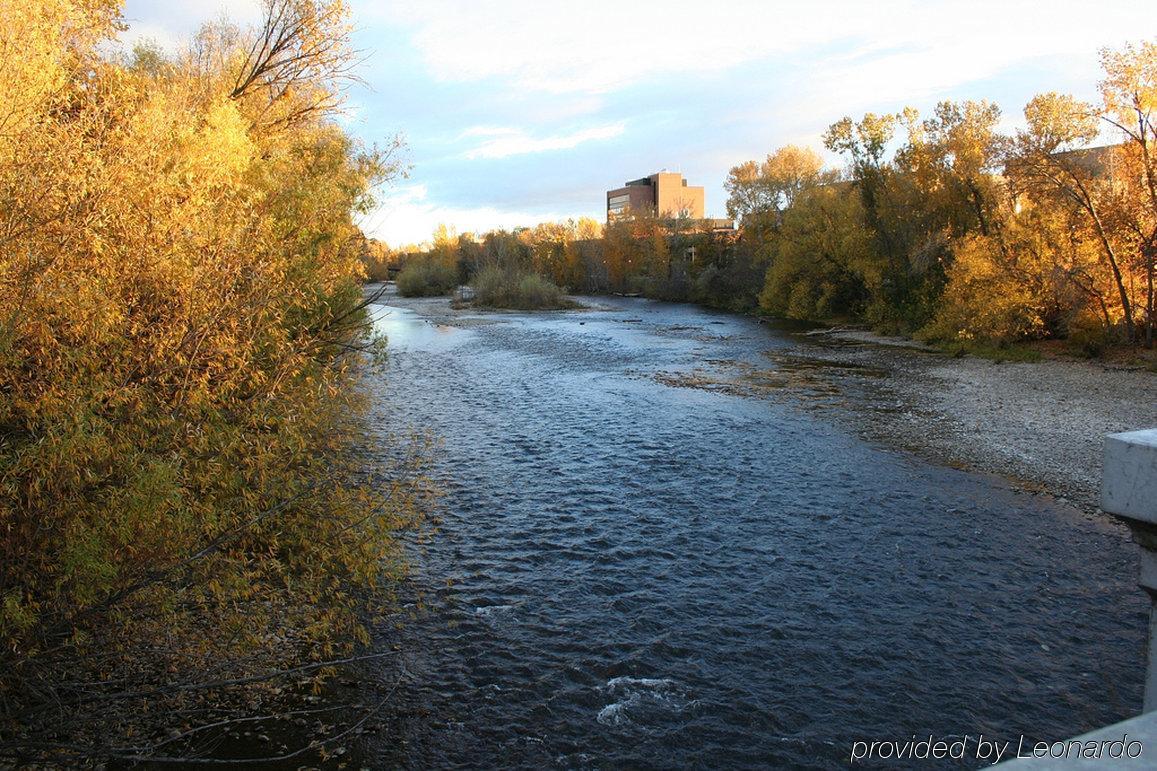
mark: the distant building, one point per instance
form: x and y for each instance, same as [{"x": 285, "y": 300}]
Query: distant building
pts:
[{"x": 665, "y": 194}]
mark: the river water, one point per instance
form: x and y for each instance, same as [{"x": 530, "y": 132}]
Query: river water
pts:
[{"x": 630, "y": 573}]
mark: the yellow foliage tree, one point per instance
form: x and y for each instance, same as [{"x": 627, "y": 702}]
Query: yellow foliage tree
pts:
[{"x": 179, "y": 302}]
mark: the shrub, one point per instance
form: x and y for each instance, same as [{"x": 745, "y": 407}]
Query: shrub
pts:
[
  {"x": 1088, "y": 337},
  {"x": 377, "y": 267},
  {"x": 179, "y": 404},
  {"x": 497, "y": 287},
  {"x": 426, "y": 277}
]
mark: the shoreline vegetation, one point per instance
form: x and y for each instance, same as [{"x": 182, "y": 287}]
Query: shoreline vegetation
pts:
[
  {"x": 501, "y": 287},
  {"x": 190, "y": 540},
  {"x": 938, "y": 227},
  {"x": 505, "y": 288}
]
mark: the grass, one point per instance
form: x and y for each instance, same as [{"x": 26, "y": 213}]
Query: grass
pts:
[{"x": 496, "y": 287}]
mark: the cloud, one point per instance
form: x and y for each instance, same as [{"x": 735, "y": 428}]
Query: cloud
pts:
[
  {"x": 601, "y": 46},
  {"x": 408, "y": 216},
  {"x": 507, "y": 141},
  {"x": 518, "y": 110},
  {"x": 170, "y": 25}
]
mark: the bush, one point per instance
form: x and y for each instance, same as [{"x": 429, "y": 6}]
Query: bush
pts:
[
  {"x": 1088, "y": 337},
  {"x": 985, "y": 301},
  {"x": 425, "y": 277},
  {"x": 377, "y": 268},
  {"x": 496, "y": 287},
  {"x": 181, "y": 494}
]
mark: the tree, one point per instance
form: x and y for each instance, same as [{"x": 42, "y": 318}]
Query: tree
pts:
[
  {"x": 821, "y": 266},
  {"x": 1049, "y": 162},
  {"x": 294, "y": 61},
  {"x": 908, "y": 241},
  {"x": 757, "y": 190},
  {"x": 181, "y": 336},
  {"x": 1129, "y": 94},
  {"x": 952, "y": 157}
]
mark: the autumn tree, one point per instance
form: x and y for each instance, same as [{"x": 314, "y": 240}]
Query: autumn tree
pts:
[
  {"x": 1049, "y": 164},
  {"x": 1129, "y": 95},
  {"x": 822, "y": 264},
  {"x": 907, "y": 243},
  {"x": 952, "y": 158},
  {"x": 759, "y": 193},
  {"x": 181, "y": 337}
]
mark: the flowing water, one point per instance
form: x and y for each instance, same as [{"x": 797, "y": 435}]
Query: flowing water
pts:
[{"x": 631, "y": 573}]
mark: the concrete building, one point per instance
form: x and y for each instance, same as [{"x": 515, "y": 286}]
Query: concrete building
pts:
[{"x": 665, "y": 194}]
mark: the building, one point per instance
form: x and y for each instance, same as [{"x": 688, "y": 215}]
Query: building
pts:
[{"x": 664, "y": 194}]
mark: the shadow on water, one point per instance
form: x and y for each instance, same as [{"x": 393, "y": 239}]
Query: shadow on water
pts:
[{"x": 633, "y": 574}]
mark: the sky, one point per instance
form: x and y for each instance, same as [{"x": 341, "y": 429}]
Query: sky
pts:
[{"x": 516, "y": 112}]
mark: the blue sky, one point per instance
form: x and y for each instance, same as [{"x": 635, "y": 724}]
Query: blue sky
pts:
[{"x": 521, "y": 111}]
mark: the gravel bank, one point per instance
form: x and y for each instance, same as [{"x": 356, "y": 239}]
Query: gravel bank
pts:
[{"x": 1040, "y": 423}]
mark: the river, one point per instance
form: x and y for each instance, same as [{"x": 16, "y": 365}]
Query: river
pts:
[{"x": 631, "y": 573}]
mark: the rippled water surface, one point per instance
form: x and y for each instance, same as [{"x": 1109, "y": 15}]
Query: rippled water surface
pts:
[{"x": 630, "y": 573}]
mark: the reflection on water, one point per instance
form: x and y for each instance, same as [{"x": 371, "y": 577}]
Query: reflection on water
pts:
[
  {"x": 634, "y": 573},
  {"x": 406, "y": 330}
]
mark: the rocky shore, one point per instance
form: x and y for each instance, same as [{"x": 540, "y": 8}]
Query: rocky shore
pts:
[{"x": 1040, "y": 423}]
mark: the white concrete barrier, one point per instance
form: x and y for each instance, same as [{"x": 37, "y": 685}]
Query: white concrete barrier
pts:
[{"x": 1129, "y": 490}]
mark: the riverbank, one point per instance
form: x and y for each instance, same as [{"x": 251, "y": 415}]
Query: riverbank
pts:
[{"x": 1040, "y": 423}]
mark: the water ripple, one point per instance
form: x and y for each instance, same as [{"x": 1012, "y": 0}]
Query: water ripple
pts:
[{"x": 635, "y": 573}]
